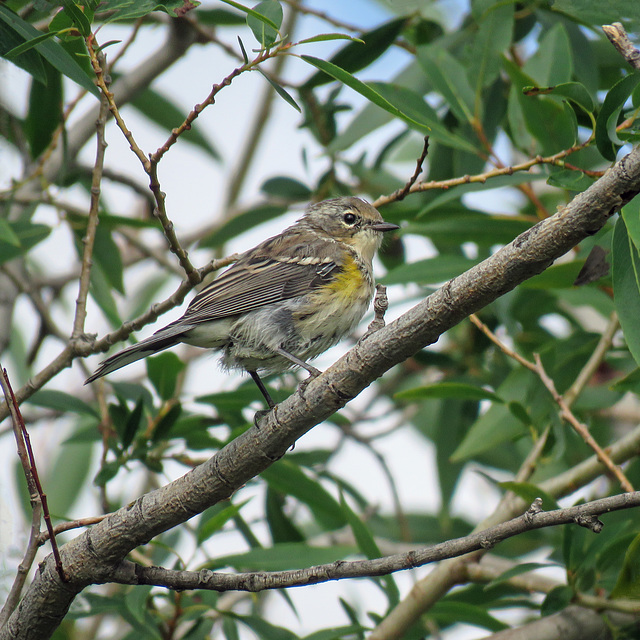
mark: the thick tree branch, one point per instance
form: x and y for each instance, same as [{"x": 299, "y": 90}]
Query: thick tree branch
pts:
[
  {"x": 92, "y": 556},
  {"x": 572, "y": 623}
]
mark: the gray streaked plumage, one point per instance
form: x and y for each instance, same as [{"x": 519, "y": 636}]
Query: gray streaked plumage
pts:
[{"x": 286, "y": 300}]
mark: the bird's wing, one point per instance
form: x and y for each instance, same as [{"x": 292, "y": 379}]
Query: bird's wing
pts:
[{"x": 258, "y": 280}]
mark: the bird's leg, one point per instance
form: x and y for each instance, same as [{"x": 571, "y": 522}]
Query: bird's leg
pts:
[
  {"x": 263, "y": 389},
  {"x": 313, "y": 372}
]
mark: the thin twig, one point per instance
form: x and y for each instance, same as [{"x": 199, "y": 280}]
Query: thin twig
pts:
[
  {"x": 160, "y": 212},
  {"x": 401, "y": 194},
  {"x": 620, "y": 40},
  {"x": 69, "y": 526},
  {"x": 581, "y": 428},
  {"x": 113, "y": 107},
  {"x": 210, "y": 99},
  {"x": 595, "y": 360},
  {"x": 565, "y": 411},
  {"x": 28, "y": 461},
  {"x": 92, "y": 221},
  {"x": 501, "y": 345},
  {"x": 555, "y": 160},
  {"x": 24, "y": 284}
]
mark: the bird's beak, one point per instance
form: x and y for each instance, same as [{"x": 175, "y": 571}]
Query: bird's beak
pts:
[{"x": 383, "y": 226}]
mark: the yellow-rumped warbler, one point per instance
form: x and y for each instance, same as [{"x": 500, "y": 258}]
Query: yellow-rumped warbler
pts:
[{"x": 285, "y": 301}]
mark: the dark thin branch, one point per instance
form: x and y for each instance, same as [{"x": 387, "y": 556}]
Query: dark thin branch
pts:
[
  {"x": 401, "y": 194},
  {"x": 534, "y": 518}
]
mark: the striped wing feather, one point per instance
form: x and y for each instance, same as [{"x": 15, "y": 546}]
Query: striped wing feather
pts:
[{"x": 248, "y": 286}]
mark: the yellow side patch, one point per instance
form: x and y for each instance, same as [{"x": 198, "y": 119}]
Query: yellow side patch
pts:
[{"x": 350, "y": 282}]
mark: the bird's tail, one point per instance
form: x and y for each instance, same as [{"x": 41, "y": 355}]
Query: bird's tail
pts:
[{"x": 163, "y": 339}]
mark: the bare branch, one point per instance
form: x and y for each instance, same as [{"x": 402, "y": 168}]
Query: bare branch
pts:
[
  {"x": 620, "y": 40},
  {"x": 92, "y": 222},
  {"x": 581, "y": 428},
  {"x": 533, "y": 518}
]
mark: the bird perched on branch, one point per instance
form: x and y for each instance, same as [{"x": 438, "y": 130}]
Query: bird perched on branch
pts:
[{"x": 285, "y": 301}]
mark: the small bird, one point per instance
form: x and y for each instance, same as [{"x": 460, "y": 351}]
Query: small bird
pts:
[{"x": 285, "y": 301}]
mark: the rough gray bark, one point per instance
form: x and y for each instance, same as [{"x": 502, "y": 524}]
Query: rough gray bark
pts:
[
  {"x": 572, "y": 623},
  {"x": 92, "y": 556}
]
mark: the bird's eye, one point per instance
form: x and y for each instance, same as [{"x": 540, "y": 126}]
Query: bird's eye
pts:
[{"x": 349, "y": 218}]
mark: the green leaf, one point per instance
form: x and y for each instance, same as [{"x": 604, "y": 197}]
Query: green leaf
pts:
[
  {"x": 61, "y": 401},
  {"x": 166, "y": 423},
  {"x": 455, "y": 193},
  {"x": 451, "y": 226},
  {"x": 108, "y": 471},
  {"x": 429, "y": 271},
  {"x": 552, "y": 63},
  {"x": 497, "y": 425},
  {"x": 211, "y": 523},
  {"x": 289, "y": 479},
  {"x": 163, "y": 371},
  {"x": 557, "y": 600},
  {"x": 574, "y": 91},
  {"x": 287, "y": 188},
  {"x": 106, "y": 255},
  {"x": 251, "y": 12},
  {"x": 128, "y": 10},
  {"x": 281, "y": 91},
  {"x": 447, "y": 612},
  {"x": 324, "y": 37},
  {"x": 529, "y": 492},
  {"x": 599, "y": 13},
  {"x": 625, "y": 271},
  {"x": 132, "y": 425},
  {"x": 558, "y": 276},
  {"x": 414, "y": 107},
  {"x": 240, "y": 224},
  {"x": 50, "y": 50},
  {"x": 628, "y": 584},
  {"x": 283, "y": 557},
  {"x": 100, "y": 291},
  {"x": 449, "y": 79},
  {"x": 265, "y": 22},
  {"x": 281, "y": 526},
  {"x": 360, "y": 53},
  {"x": 26, "y": 46},
  {"x": 448, "y": 390},
  {"x": 367, "y": 545},
  {"x": 264, "y": 629},
  {"x": 518, "y": 570},
  {"x": 631, "y": 216},
  {"x": 362, "y": 88},
  {"x": 78, "y": 17},
  {"x": 630, "y": 382},
  {"x": 26, "y": 232},
  {"x": 607, "y": 120},
  {"x": 31, "y": 61},
  {"x": 335, "y": 633},
  {"x": 220, "y": 17},
  {"x": 45, "y": 111},
  {"x": 66, "y": 477},
  {"x": 167, "y": 115},
  {"x": 8, "y": 235}
]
